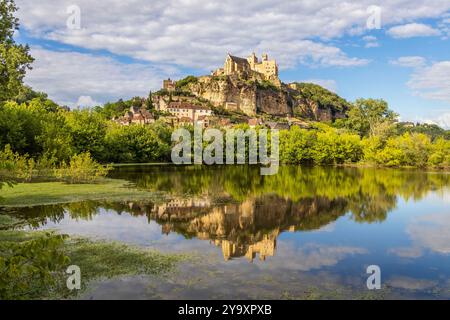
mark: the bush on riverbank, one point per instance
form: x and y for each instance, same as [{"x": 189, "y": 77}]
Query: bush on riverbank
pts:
[
  {"x": 330, "y": 146},
  {"x": 81, "y": 168},
  {"x": 412, "y": 150}
]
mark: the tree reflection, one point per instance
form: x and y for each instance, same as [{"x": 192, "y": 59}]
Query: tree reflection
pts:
[{"x": 244, "y": 213}]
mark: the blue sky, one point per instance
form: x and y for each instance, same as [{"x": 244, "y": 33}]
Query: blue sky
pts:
[{"x": 126, "y": 49}]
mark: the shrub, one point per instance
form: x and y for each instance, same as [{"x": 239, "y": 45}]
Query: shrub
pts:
[
  {"x": 81, "y": 169},
  {"x": 184, "y": 82},
  {"x": 13, "y": 165}
]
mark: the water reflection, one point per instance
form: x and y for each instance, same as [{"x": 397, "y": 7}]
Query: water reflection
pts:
[{"x": 244, "y": 213}]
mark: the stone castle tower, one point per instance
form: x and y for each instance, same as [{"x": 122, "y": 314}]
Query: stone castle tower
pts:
[{"x": 234, "y": 65}]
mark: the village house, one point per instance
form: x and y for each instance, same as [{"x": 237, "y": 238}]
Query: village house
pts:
[
  {"x": 188, "y": 110},
  {"x": 203, "y": 121},
  {"x": 136, "y": 115}
]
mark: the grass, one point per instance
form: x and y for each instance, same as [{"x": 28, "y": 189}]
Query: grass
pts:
[
  {"x": 45, "y": 193},
  {"x": 97, "y": 260}
]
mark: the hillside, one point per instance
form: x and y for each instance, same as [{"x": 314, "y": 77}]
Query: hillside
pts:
[{"x": 252, "y": 95}]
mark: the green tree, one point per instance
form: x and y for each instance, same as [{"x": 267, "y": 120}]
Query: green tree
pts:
[
  {"x": 138, "y": 143},
  {"x": 15, "y": 59},
  {"x": 149, "y": 102},
  {"x": 370, "y": 117},
  {"x": 88, "y": 130}
]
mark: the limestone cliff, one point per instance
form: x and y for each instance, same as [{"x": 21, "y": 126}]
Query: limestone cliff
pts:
[{"x": 251, "y": 95}]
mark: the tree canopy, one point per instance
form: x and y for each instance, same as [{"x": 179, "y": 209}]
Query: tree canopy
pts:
[{"x": 15, "y": 59}]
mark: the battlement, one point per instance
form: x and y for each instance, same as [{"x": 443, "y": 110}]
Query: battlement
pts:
[{"x": 234, "y": 65}]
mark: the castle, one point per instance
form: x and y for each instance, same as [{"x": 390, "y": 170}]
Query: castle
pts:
[{"x": 235, "y": 65}]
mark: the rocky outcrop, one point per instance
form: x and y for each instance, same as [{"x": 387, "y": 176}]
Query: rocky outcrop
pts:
[{"x": 251, "y": 95}]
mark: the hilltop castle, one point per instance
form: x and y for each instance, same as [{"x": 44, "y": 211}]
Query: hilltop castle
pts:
[{"x": 235, "y": 65}]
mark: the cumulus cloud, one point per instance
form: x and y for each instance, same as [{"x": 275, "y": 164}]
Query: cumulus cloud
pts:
[
  {"x": 311, "y": 256},
  {"x": 432, "y": 81},
  {"x": 87, "y": 101},
  {"x": 429, "y": 80},
  {"x": 406, "y": 252},
  {"x": 195, "y": 34},
  {"x": 371, "y": 41},
  {"x": 432, "y": 231},
  {"x": 78, "y": 79},
  {"x": 442, "y": 120},
  {"x": 413, "y": 30},
  {"x": 409, "y": 61},
  {"x": 198, "y": 33}
]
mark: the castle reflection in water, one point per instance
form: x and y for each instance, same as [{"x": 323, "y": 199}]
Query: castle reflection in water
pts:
[
  {"x": 243, "y": 213},
  {"x": 222, "y": 225},
  {"x": 242, "y": 229}
]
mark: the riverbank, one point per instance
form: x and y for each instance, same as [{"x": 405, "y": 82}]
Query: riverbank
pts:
[{"x": 44, "y": 193}]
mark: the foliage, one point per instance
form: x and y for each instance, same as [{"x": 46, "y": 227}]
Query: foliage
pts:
[
  {"x": 370, "y": 117},
  {"x": 29, "y": 128},
  {"x": 27, "y": 94},
  {"x": 14, "y": 58},
  {"x": 323, "y": 146},
  {"x": 440, "y": 153},
  {"x": 431, "y": 130},
  {"x": 114, "y": 109},
  {"x": 81, "y": 169},
  {"x": 13, "y": 165},
  {"x": 186, "y": 81},
  {"x": 266, "y": 85},
  {"x": 414, "y": 149},
  {"x": 88, "y": 129},
  {"x": 138, "y": 143},
  {"x": 28, "y": 265},
  {"x": 322, "y": 97}
]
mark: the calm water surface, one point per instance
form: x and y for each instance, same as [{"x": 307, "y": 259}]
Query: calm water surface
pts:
[{"x": 303, "y": 233}]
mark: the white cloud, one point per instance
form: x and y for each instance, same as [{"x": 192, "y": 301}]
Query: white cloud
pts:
[
  {"x": 406, "y": 252},
  {"x": 198, "y": 33},
  {"x": 369, "y": 38},
  {"x": 195, "y": 34},
  {"x": 83, "y": 79},
  {"x": 432, "y": 231},
  {"x": 372, "y": 45},
  {"x": 86, "y": 101},
  {"x": 442, "y": 120},
  {"x": 310, "y": 256},
  {"x": 413, "y": 30},
  {"x": 371, "y": 42},
  {"x": 432, "y": 82},
  {"x": 429, "y": 81},
  {"x": 409, "y": 61}
]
